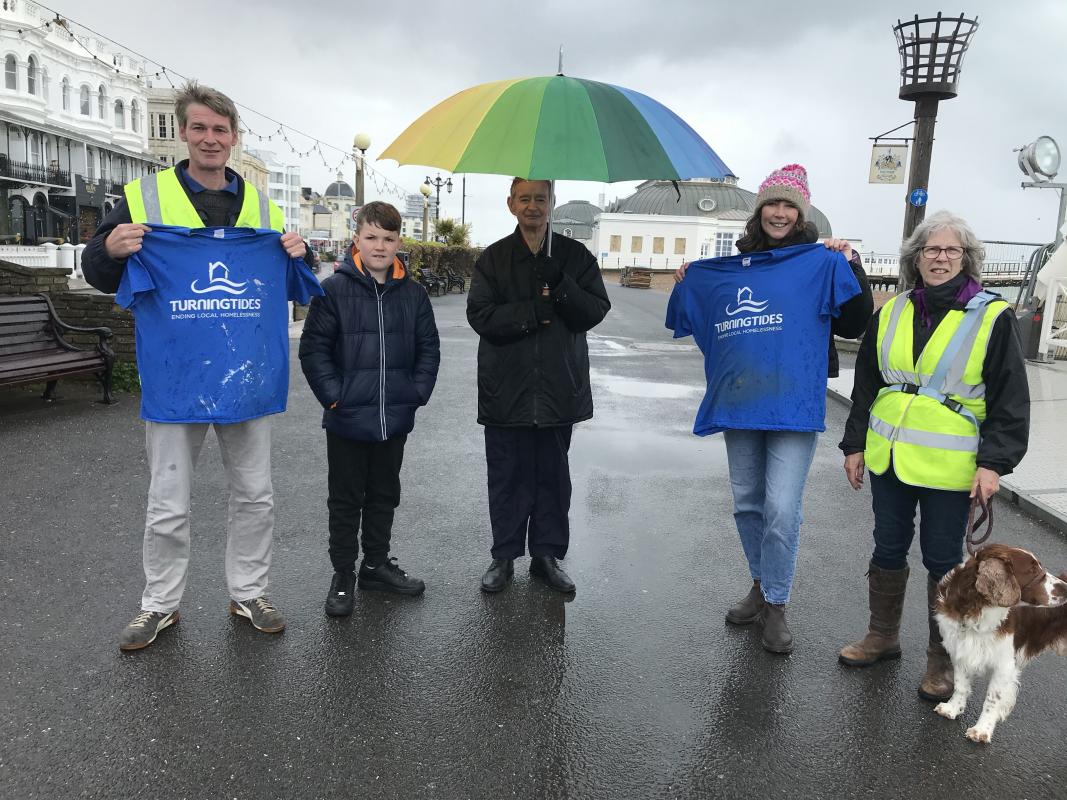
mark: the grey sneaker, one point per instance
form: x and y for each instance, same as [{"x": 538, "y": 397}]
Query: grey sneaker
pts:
[
  {"x": 145, "y": 627},
  {"x": 260, "y": 612}
]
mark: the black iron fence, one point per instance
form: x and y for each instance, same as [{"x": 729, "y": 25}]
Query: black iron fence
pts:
[{"x": 20, "y": 170}]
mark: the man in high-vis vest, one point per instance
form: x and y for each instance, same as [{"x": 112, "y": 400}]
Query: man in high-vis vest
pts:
[
  {"x": 196, "y": 193},
  {"x": 940, "y": 411}
]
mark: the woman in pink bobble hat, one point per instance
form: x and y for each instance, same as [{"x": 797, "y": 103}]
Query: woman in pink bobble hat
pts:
[{"x": 768, "y": 468}]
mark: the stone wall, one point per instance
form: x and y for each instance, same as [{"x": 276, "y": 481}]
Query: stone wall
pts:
[{"x": 87, "y": 309}]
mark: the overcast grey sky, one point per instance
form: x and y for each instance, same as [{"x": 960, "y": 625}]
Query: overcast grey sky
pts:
[{"x": 764, "y": 83}]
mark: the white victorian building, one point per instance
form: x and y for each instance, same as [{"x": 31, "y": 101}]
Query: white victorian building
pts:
[
  {"x": 660, "y": 226},
  {"x": 72, "y": 126}
]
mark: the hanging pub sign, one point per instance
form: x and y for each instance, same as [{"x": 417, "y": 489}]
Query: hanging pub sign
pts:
[{"x": 887, "y": 163}]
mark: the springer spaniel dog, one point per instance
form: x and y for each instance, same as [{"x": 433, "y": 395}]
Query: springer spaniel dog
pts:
[{"x": 996, "y": 611}]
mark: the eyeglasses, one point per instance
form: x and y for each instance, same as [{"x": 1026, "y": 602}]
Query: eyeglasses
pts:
[{"x": 933, "y": 252}]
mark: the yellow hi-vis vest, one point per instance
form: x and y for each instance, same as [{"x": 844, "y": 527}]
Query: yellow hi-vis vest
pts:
[
  {"x": 160, "y": 198},
  {"x": 926, "y": 420}
]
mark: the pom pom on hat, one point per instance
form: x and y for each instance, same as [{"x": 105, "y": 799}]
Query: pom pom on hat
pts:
[{"x": 790, "y": 183}]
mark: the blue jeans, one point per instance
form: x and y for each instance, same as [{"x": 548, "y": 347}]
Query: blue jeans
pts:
[
  {"x": 942, "y": 524},
  {"x": 767, "y": 474}
]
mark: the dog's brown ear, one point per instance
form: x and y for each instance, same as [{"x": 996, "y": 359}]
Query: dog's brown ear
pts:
[{"x": 996, "y": 583}]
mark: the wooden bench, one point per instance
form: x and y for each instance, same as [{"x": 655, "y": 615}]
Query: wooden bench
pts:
[{"x": 32, "y": 347}]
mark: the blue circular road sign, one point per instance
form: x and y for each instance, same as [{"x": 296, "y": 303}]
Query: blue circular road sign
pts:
[{"x": 918, "y": 197}]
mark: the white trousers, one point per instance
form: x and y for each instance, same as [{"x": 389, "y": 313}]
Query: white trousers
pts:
[{"x": 172, "y": 453}]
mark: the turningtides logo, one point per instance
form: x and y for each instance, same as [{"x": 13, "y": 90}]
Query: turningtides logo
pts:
[
  {"x": 756, "y": 321},
  {"x": 218, "y": 281}
]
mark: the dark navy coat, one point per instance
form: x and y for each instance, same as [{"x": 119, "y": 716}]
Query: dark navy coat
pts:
[{"x": 372, "y": 349}]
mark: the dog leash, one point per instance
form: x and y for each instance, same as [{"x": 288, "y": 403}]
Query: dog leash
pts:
[{"x": 978, "y": 504}]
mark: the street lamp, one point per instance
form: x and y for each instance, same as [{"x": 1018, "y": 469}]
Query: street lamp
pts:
[
  {"x": 425, "y": 190},
  {"x": 361, "y": 142},
  {"x": 438, "y": 182}
]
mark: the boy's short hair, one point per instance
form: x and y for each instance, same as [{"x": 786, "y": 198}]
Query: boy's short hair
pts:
[
  {"x": 192, "y": 92},
  {"x": 379, "y": 213}
]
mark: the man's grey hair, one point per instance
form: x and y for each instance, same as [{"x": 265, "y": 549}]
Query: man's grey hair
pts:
[
  {"x": 911, "y": 250},
  {"x": 192, "y": 92}
]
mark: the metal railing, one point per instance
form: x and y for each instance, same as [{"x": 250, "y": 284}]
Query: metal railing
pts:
[{"x": 20, "y": 170}]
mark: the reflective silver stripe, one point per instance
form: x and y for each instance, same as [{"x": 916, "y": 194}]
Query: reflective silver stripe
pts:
[
  {"x": 891, "y": 328},
  {"x": 967, "y": 392},
  {"x": 954, "y": 376},
  {"x": 150, "y": 196},
  {"x": 892, "y": 376},
  {"x": 264, "y": 210},
  {"x": 939, "y": 441}
]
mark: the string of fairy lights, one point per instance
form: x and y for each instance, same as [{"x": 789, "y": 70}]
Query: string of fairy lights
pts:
[{"x": 273, "y": 130}]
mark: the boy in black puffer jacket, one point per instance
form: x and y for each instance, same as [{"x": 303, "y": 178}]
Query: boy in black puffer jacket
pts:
[{"x": 370, "y": 352}]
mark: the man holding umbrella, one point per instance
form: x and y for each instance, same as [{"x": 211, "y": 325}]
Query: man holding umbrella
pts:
[{"x": 531, "y": 301}]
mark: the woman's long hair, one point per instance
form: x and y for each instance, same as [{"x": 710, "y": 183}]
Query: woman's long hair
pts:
[
  {"x": 911, "y": 249},
  {"x": 755, "y": 238}
]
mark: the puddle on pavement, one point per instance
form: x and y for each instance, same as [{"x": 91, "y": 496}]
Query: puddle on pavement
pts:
[
  {"x": 635, "y": 452},
  {"x": 654, "y": 390}
]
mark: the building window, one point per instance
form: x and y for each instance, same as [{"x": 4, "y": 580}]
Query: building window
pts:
[
  {"x": 11, "y": 76},
  {"x": 101, "y": 102},
  {"x": 705, "y": 249},
  {"x": 679, "y": 247},
  {"x": 90, "y": 163},
  {"x": 568, "y": 232},
  {"x": 66, "y": 94},
  {"x": 84, "y": 102},
  {"x": 35, "y": 150},
  {"x": 31, "y": 75},
  {"x": 724, "y": 244},
  {"x": 635, "y": 243},
  {"x": 135, "y": 116},
  {"x": 120, "y": 114},
  {"x": 657, "y": 245},
  {"x": 616, "y": 244},
  {"x": 162, "y": 126}
]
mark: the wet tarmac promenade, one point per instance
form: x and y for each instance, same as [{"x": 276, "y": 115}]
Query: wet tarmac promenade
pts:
[{"x": 635, "y": 689}]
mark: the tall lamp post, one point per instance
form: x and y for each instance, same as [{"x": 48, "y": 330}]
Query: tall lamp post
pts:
[
  {"x": 425, "y": 190},
  {"x": 361, "y": 142},
  {"x": 931, "y": 52},
  {"x": 438, "y": 182}
]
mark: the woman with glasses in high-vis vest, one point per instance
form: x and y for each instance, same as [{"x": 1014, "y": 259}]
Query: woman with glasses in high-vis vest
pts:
[{"x": 940, "y": 411}]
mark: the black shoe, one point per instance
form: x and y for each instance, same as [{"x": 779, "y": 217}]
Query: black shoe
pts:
[
  {"x": 388, "y": 577},
  {"x": 546, "y": 568},
  {"x": 777, "y": 638},
  {"x": 340, "y": 600},
  {"x": 749, "y": 609},
  {"x": 497, "y": 576}
]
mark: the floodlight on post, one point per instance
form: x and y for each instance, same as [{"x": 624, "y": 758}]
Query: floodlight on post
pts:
[
  {"x": 1040, "y": 162},
  {"x": 425, "y": 191},
  {"x": 360, "y": 143},
  {"x": 931, "y": 54}
]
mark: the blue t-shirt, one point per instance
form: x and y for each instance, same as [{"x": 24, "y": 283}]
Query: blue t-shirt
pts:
[
  {"x": 212, "y": 323},
  {"x": 762, "y": 321}
]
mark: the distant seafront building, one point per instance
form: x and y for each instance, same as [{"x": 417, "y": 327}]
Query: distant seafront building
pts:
[
  {"x": 659, "y": 226},
  {"x": 283, "y": 185},
  {"x": 576, "y": 220},
  {"x": 72, "y": 126}
]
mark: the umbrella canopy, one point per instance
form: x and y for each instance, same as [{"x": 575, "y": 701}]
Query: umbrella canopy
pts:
[{"x": 557, "y": 128}]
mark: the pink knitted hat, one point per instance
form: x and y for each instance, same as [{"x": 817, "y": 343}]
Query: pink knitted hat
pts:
[{"x": 790, "y": 183}]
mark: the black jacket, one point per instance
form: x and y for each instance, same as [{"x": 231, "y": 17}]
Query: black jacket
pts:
[
  {"x": 371, "y": 348},
  {"x": 105, "y": 273},
  {"x": 854, "y": 314},
  {"x": 531, "y": 374},
  {"x": 1005, "y": 431}
]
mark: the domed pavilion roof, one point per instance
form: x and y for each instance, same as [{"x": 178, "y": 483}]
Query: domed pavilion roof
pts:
[
  {"x": 576, "y": 211},
  {"x": 339, "y": 189},
  {"x": 713, "y": 199}
]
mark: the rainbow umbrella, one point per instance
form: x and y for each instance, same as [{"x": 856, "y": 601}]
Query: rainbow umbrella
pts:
[{"x": 557, "y": 128}]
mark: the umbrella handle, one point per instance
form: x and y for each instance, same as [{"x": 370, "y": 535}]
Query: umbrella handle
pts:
[{"x": 551, "y": 207}]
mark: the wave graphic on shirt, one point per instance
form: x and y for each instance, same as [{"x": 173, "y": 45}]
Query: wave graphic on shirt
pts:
[
  {"x": 746, "y": 303},
  {"x": 219, "y": 281}
]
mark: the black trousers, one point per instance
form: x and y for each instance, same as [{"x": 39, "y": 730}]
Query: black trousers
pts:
[
  {"x": 529, "y": 489},
  {"x": 364, "y": 485}
]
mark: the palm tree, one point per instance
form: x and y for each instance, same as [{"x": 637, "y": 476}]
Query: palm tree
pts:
[{"x": 452, "y": 233}]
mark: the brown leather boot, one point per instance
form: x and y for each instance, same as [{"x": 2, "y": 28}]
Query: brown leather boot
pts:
[
  {"x": 939, "y": 680},
  {"x": 885, "y": 589},
  {"x": 749, "y": 609}
]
